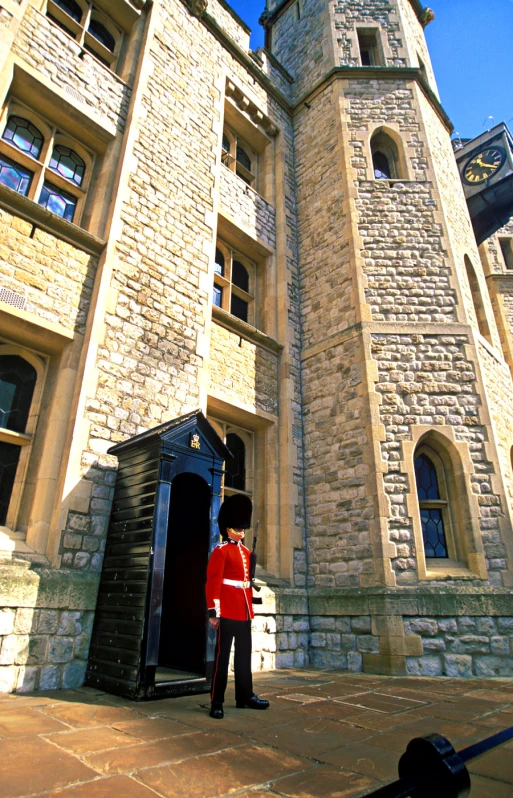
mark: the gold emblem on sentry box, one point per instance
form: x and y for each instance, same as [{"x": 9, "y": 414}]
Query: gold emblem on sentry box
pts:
[{"x": 195, "y": 442}]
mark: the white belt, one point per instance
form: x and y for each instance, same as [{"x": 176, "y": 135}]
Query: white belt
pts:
[{"x": 236, "y": 583}]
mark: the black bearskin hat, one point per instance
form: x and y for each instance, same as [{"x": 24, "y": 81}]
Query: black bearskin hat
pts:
[{"x": 235, "y": 513}]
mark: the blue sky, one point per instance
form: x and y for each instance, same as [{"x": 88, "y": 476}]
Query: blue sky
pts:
[{"x": 471, "y": 44}]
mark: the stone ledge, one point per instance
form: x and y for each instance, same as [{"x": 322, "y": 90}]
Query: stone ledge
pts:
[
  {"x": 35, "y": 214},
  {"x": 458, "y": 600},
  {"x": 29, "y": 585},
  {"x": 247, "y": 331}
]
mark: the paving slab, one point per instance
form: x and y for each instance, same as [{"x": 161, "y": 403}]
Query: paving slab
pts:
[{"x": 326, "y": 733}]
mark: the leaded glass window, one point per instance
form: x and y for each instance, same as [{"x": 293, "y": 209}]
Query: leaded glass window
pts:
[
  {"x": 68, "y": 164},
  {"x": 58, "y": 201},
  {"x": 219, "y": 263},
  {"x": 243, "y": 158},
  {"x": 234, "y": 283},
  {"x": 17, "y": 383},
  {"x": 432, "y": 507},
  {"x": 24, "y": 135},
  {"x": 70, "y": 7},
  {"x": 240, "y": 276},
  {"x": 9, "y": 458},
  {"x": 15, "y": 176},
  {"x": 382, "y": 170},
  {"x": 235, "y": 467},
  {"x": 102, "y": 35}
]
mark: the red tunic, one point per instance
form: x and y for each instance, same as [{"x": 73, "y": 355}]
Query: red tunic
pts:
[{"x": 229, "y": 561}]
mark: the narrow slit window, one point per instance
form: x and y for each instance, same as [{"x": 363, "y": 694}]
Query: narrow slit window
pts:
[
  {"x": 235, "y": 466},
  {"x": 506, "y": 245},
  {"x": 368, "y": 46},
  {"x": 433, "y": 508}
]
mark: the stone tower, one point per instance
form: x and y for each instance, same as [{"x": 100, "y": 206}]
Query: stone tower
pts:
[{"x": 402, "y": 363}]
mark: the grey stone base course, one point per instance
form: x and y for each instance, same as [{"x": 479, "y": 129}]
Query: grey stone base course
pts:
[{"x": 46, "y": 621}]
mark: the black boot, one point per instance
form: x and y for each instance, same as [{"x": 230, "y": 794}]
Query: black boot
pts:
[
  {"x": 216, "y": 710},
  {"x": 253, "y": 703}
]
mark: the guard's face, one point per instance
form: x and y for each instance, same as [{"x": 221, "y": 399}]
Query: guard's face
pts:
[{"x": 236, "y": 534}]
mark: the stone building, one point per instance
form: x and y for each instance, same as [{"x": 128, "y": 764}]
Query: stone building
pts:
[{"x": 281, "y": 240}]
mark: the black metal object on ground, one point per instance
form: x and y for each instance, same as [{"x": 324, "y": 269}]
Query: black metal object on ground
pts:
[{"x": 431, "y": 768}]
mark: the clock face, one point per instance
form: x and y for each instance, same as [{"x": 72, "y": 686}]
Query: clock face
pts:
[{"x": 483, "y": 165}]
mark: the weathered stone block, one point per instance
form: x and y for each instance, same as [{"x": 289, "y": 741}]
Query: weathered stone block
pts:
[
  {"x": 486, "y": 626},
  {"x": 284, "y": 660},
  {"x": 505, "y": 626},
  {"x": 434, "y": 644},
  {"x": 343, "y": 625},
  {"x": 7, "y": 618},
  {"x": 448, "y": 625},
  {"x": 489, "y": 667},
  {"x": 467, "y": 626},
  {"x": 421, "y": 626},
  {"x": 500, "y": 646},
  {"x": 37, "y": 647},
  {"x": 69, "y": 623},
  {"x": 348, "y": 642},
  {"x": 7, "y": 678},
  {"x": 424, "y": 666},
  {"x": 60, "y": 649},
  {"x": 323, "y": 624},
  {"x": 27, "y": 679},
  {"x": 328, "y": 659},
  {"x": 50, "y": 677},
  {"x": 48, "y": 621},
  {"x": 74, "y": 674},
  {"x": 354, "y": 661},
  {"x": 26, "y": 621},
  {"x": 367, "y": 644},
  {"x": 361, "y": 625},
  {"x": 458, "y": 665},
  {"x": 333, "y": 641},
  {"x": 469, "y": 644},
  {"x": 318, "y": 639}
]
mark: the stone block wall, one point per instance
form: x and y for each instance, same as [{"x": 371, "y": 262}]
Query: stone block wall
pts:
[
  {"x": 306, "y": 64},
  {"x": 408, "y": 277},
  {"x": 243, "y": 372},
  {"x": 428, "y": 380},
  {"x": 46, "y": 619},
  {"x": 228, "y": 20},
  {"x": 56, "y": 278},
  {"x": 241, "y": 202},
  {"x": 350, "y": 14},
  {"x": 60, "y": 61},
  {"x": 462, "y": 647},
  {"x": 340, "y": 509}
]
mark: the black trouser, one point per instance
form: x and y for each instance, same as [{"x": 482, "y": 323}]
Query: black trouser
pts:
[{"x": 241, "y": 632}]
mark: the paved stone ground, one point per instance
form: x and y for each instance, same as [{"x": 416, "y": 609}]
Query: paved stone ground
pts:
[{"x": 327, "y": 733}]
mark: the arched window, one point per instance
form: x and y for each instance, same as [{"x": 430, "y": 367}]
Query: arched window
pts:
[
  {"x": 234, "y": 283},
  {"x": 235, "y": 467},
  {"x": 102, "y": 35},
  {"x": 24, "y": 135},
  {"x": 387, "y": 161},
  {"x": 238, "y": 156},
  {"x": 219, "y": 263},
  {"x": 71, "y": 8},
  {"x": 477, "y": 299},
  {"x": 243, "y": 158},
  {"x": 57, "y": 170},
  {"x": 68, "y": 164},
  {"x": 433, "y": 503},
  {"x": 17, "y": 383},
  {"x": 381, "y": 166}
]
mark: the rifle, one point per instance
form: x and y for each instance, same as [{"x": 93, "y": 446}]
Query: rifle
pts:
[{"x": 253, "y": 564}]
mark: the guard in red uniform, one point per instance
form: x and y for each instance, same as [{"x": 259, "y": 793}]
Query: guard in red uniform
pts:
[{"x": 230, "y": 606}]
